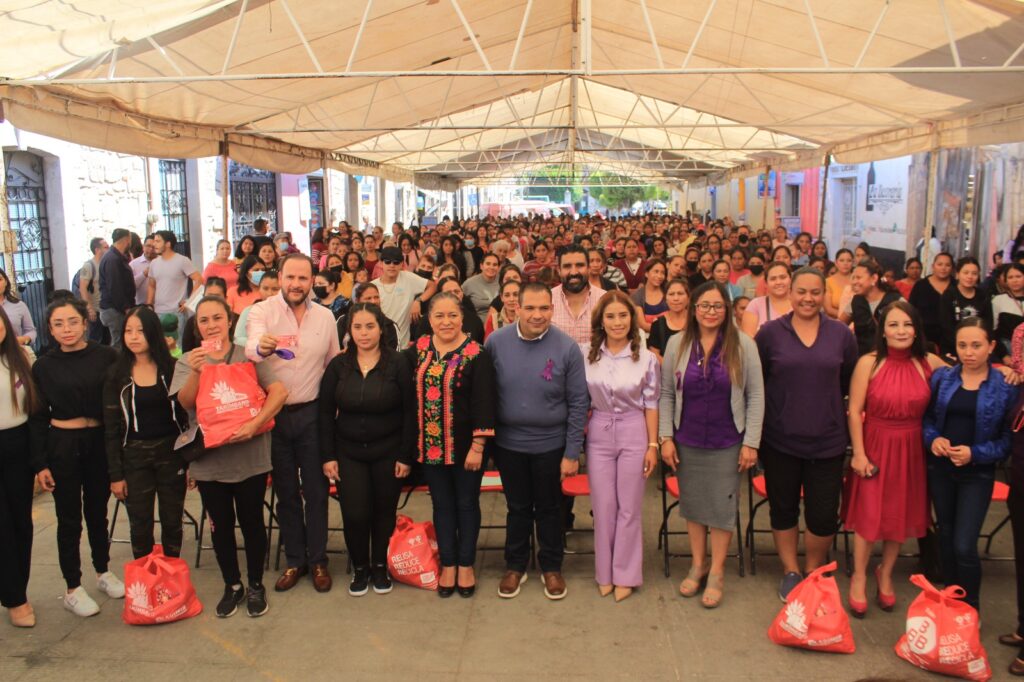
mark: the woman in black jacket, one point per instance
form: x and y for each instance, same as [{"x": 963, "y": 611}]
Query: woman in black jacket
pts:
[
  {"x": 367, "y": 441},
  {"x": 455, "y": 389},
  {"x": 142, "y": 422}
]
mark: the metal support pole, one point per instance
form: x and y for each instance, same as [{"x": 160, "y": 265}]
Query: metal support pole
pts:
[
  {"x": 225, "y": 191},
  {"x": 326, "y": 198},
  {"x": 9, "y": 243},
  {"x": 824, "y": 193},
  {"x": 764, "y": 199},
  {"x": 929, "y": 209}
]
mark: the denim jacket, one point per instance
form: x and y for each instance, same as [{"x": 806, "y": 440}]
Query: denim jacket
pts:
[{"x": 995, "y": 398}]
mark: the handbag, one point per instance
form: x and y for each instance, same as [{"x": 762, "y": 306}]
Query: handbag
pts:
[{"x": 189, "y": 444}]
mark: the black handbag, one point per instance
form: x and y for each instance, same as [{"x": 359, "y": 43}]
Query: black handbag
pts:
[{"x": 190, "y": 444}]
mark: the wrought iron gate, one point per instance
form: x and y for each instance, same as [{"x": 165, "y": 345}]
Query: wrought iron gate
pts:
[
  {"x": 253, "y": 195},
  {"x": 26, "y": 208}
]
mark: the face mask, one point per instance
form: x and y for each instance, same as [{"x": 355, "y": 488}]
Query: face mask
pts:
[
  {"x": 470, "y": 243},
  {"x": 756, "y": 269},
  {"x": 425, "y": 274},
  {"x": 256, "y": 276},
  {"x": 320, "y": 292},
  {"x": 691, "y": 265},
  {"x": 335, "y": 268},
  {"x": 282, "y": 247}
]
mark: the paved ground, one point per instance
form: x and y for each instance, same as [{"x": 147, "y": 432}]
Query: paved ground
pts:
[{"x": 411, "y": 634}]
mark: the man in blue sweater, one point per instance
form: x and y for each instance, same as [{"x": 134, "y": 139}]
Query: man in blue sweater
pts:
[{"x": 542, "y": 409}]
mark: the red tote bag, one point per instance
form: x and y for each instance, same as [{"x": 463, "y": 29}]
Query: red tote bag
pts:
[
  {"x": 412, "y": 553},
  {"x": 813, "y": 617},
  {"x": 158, "y": 589},
  {"x": 942, "y": 633},
  {"x": 229, "y": 396}
]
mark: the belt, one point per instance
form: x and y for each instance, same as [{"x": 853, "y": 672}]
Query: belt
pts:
[{"x": 295, "y": 407}]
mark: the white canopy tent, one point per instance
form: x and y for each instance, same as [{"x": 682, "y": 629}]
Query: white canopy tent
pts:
[{"x": 446, "y": 92}]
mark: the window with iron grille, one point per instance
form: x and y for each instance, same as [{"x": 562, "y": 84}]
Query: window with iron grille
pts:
[
  {"x": 174, "y": 201},
  {"x": 26, "y": 209}
]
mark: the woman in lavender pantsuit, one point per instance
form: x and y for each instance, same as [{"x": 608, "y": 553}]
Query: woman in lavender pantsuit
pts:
[{"x": 623, "y": 378}]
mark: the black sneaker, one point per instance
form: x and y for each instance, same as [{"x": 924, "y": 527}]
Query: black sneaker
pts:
[
  {"x": 256, "y": 604},
  {"x": 360, "y": 584},
  {"x": 381, "y": 579},
  {"x": 233, "y": 596}
]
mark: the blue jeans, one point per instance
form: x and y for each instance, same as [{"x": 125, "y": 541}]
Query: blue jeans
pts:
[
  {"x": 961, "y": 496},
  {"x": 455, "y": 494}
]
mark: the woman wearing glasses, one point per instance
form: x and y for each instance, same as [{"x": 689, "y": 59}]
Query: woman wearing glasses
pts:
[{"x": 712, "y": 437}]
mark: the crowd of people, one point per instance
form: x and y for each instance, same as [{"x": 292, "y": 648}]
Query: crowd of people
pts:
[{"x": 425, "y": 353}]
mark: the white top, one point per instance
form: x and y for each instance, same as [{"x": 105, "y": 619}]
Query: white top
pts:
[
  {"x": 8, "y": 418},
  {"x": 397, "y": 298},
  {"x": 138, "y": 266},
  {"x": 171, "y": 277}
]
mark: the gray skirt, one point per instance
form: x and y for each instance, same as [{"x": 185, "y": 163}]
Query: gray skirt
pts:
[{"x": 709, "y": 485}]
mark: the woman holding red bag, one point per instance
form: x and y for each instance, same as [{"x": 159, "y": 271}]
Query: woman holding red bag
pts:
[
  {"x": 887, "y": 498},
  {"x": 232, "y": 478}
]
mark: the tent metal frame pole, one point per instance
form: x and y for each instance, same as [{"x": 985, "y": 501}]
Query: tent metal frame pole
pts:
[
  {"x": 513, "y": 126},
  {"x": 518, "y": 73},
  {"x": 764, "y": 199},
  {"x": 225, "y": 183},
  {"x": 824, "y": 193},
  {"x": 6, "y": 233},
  {"x": 359, "y": 36},
  {"x": 929, "y": 209}
]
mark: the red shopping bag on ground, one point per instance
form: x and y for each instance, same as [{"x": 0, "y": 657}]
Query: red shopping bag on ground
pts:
[
  {"x": 813, "y": 617},
  {"x": 412, "y": 553},
  {"x": 942, "y": 633},
  {"x": 158, "y": 589},
  {"x": 228, "y": 397}
]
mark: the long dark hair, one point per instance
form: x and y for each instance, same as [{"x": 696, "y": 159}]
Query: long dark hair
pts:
[
  {"x": 918, "y": 348},
  {"x": 597, "y": 332},
  {"x": 731, "y": 356},
  {"x": 15, "y": 358},
  {"x": 350, "y": 351},
  {"x": 9, "y": 292},
  {"x": 244, "y": 285},
  {"x": 238, "y": 249},
  {"x": 154, "y": 333}
]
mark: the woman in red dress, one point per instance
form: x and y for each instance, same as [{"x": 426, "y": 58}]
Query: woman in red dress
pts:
[{"x": 887, "y": 497}]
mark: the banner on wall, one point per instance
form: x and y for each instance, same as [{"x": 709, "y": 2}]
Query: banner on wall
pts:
[
  {"x": 761, "y": 186},
  {"x": 884, "y": 218}
]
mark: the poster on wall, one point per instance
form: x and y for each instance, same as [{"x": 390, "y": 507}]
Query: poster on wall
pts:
[
  {"x": 883, "y": 222},
  {"x": 761, "y": 185}
]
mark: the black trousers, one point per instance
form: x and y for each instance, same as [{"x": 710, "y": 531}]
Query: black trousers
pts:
[
  {"x": 821, "y": 481},
  {"x": 368, "y": 492},
  {"x": 533, "y": 493},
  {"x": 77, "y": 459},
  {"x": 300, "y": 485},
  {"x": 153, "y": 471},
  {"x": 224, "y": 503},
  {"x": 16, "y": 486}
]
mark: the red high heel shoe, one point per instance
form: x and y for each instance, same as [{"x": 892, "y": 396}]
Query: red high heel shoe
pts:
[
  {"x": 886, "y": 602},
  {"x": 858, "y": 609}
]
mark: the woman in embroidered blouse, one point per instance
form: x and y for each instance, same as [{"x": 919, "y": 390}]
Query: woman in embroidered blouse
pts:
[
  {"x": 454, "y": 380},
  {"x": 624, "y": 380}
]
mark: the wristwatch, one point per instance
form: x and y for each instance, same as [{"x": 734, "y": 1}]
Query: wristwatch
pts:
[{"x": 663, "y": 439}]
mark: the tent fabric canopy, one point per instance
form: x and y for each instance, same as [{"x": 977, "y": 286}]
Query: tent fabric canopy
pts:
[{"x": 443, "y": 92}]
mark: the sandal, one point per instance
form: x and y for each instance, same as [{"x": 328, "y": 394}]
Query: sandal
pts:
[
  {"x": 692, "y": 582},
  {"x": 712, "y": 596}
]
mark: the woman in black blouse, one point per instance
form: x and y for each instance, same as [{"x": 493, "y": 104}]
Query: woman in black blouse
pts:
[
  {"x": 927, "y": 294},
  {"x": 73, "y": 465},
  {"x": 454, "y": 379},
  {"x": 677, "y": 296},
  {"x": 962, "y": 299},
  {"x": 367, "y": 441}
]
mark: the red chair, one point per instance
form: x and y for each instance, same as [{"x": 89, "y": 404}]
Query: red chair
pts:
[
  {"x": 1000, "y": 493},
  {"x": 670, "y": 488},
  {"x": 576, "y": 486}
]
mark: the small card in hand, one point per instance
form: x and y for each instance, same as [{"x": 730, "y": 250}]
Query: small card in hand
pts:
[
  {"x": 287, "y": 341},
  {"x": 212, "y": 345}
]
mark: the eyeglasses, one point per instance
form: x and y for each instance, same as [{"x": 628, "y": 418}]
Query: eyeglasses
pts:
[
  {"x": 391, "y": 262},
  {"x": 708, "y": 307}
]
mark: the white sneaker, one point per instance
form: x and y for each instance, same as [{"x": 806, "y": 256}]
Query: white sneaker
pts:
[
  {"x": 112, "y": 585},
  {"x": 80, "y": 603}
]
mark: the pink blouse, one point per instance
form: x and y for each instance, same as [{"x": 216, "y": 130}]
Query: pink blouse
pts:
[{"x": 618, "y": 384}]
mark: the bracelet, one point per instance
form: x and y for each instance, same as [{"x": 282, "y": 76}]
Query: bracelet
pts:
[{"x": 652, "y": 445}]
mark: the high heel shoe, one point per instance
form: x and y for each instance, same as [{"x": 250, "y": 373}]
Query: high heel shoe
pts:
[
  {"x": 886, "y": 602},
  {"x": 858, "y": 609},
  {"x": 605, "y": 590},
  {"x": 622, "y": 593},
  {"x": 445, "y": 591}
]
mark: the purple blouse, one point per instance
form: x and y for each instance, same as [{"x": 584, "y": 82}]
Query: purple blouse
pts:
[
  {"x": 706, "y": 420},
  {"x": 619, "y": 385}
]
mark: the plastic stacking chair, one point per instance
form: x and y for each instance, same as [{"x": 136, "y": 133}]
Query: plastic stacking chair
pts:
[
  {"x": 576, "y": 486},
  {"x": 670, "y": 489},
  {"x": 1000, "y": 493}
]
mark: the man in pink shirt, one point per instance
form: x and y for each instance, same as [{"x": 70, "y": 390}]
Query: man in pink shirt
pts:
[
  {"x": 299, "y": 338},
  {"x": 575, "y": 297}
]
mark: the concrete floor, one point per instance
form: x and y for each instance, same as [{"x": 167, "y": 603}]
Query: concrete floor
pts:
[{"x": 411, "y": 634}]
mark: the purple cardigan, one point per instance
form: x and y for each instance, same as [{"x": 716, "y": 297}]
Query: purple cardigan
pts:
[{"x": 804, "y": 387}]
